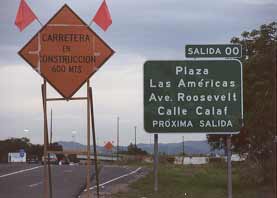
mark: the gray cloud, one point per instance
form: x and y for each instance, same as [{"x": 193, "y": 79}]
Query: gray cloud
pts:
[
  {"x": 141, "y": 30},
  {"x": 143, "y": 27}
]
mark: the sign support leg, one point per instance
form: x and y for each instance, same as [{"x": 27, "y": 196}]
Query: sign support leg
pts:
[
  {"x": 47, "y": 168},
  {"x": 275, "y": 165},
  {"x": 94, "y": 141},
  {"x": 229, "y": 166},
  {"x": 156, "y": 161},
  {"x": 88, "y": 142}
]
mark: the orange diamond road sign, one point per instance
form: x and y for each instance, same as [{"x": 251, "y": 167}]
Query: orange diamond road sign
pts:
[
  {"x": 109, "y": 146},
  {"x": 66, "y": 52}
]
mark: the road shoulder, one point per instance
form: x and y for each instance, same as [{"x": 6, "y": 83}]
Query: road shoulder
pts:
[{"x": 115, "y": 179}]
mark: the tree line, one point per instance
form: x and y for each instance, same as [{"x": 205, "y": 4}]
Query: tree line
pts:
[
  {"x": 33, "y": 151},
  {"x": 256, "y": 138}
]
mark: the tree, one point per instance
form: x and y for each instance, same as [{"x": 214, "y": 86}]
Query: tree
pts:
[
  {"x": 32, "y": 150},
  {"x": 12, "y": 145},
  {"x": 134, "y": 150},
  {"x": 259, "y": 70},
  {"x": 55, "y": 147},
  {"x": 35, "y": 151}
]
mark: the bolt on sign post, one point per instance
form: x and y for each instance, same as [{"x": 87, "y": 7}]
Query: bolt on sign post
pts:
[
  {"x": 213, "y": 51},
  {"x": 66, "y": 53}
]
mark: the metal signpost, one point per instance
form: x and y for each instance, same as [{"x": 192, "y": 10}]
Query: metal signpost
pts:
[
  {"x": 66, "y": 53},
  {"x": 156, "y": 161},
  {"x": 213, "y": 51},
  {"x": 193, "y": 96},
  {"x": 229, "y": 167}
]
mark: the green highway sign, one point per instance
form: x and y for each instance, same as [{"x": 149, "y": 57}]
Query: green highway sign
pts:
[
  {"x": 213, "y": 51},
  {"x": 203, "y": 96}
]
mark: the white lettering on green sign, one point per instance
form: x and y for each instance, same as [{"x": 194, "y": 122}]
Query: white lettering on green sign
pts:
[{"x": 193, "y": 96}]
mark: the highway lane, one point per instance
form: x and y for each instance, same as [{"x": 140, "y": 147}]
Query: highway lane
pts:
[
  {"x": 13, "y": 167},
  {"x": 68, "y": 181}
]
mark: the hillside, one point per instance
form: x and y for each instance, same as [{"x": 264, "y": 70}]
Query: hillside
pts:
[{"x": 191, "y": 147}]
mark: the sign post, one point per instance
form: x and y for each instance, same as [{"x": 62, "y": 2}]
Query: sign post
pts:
[
  {"x": 66, "y": 53},
  {"x": 47, "y": 168},
  {"x": 229, "y": 166},
  {"x": 94, "y": 140},
  {"x": 156, "y": 161}
]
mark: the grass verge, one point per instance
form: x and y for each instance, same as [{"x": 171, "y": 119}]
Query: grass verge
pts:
[{"x": 207, "y": 181}]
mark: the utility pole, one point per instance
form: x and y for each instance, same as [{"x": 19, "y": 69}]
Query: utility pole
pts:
[
  {"x": 117, "y": 150},
  {"x": 183, "y": 150},
  {"x": 183, "y": 146},
  {"x": 135, "y": 136},
  {"x": 51, "y": 131},
  {"x": 73, "y": 135}
]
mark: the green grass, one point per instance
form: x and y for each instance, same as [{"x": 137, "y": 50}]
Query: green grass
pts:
[{"x": 207, "y": 181}]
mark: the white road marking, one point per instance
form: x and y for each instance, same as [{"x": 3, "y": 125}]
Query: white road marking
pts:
[
  {"x": 21, "y": 171},
  {"x": 115, "y": 179},
  {"x": 35, "y": 184}
]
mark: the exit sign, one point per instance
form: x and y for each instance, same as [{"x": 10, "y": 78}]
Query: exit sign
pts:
[
  {"x": 213, "y": 51},
  {"x": 193, "y": 96}
]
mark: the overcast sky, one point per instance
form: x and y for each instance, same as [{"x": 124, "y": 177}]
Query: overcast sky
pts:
[{"x": 141, "y": 30}]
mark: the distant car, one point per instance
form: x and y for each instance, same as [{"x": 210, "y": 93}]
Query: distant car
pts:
[
  {"x": 33, "y": 161},
  {"x": 52, "y": 159},
  {"x": 63, "y": 161}
]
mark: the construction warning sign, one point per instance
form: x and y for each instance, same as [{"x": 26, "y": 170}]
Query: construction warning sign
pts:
[
  {"x": 66, "y": 52},
  {"x": 108, "y": 146}
]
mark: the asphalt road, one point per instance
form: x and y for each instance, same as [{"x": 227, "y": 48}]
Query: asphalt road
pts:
[
  {"x": 26, "y": 181},
  {"x": 68, "y": 181}
]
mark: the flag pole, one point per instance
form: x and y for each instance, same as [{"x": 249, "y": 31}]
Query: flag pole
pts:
[
  {"x": 90, "y": 23},
  {"x": 39, "y": 22}
]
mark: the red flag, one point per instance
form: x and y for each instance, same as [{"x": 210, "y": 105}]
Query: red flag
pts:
[
  {"x": 24, "y": 16},
  {"x": 103, "y": 17}
]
